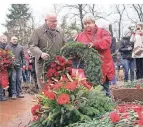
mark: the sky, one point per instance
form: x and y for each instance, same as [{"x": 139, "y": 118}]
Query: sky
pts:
[{"x": 39, "y": 8}]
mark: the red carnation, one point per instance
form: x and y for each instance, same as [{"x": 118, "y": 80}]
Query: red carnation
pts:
[
  {"x": 138, "y": 86},
  {"x": 50, "y": 95},
  {"x": 69, "y": 69},
  {"x": 51, "y": 70},
  {"x": 63, "y": 99},
  {"x": 62, "y": 62},
  {"x": 49, "y": 74},
  {"x": 35, "y": 109},
  {"x": 114, "y": 117},
  {"x": 58, "y": 68},
  {"x": 122, "y": 109},
  {"x": 53, "y": 65},
  {"x": 59, "y": 58},
  {"x": 57, "y": 86},
  {"x": 56, "y": 74},
  {"x": 71, "y": 85}
]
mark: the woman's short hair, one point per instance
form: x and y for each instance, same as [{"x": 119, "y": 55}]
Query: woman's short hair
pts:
[{"x": 88, "y": 17}]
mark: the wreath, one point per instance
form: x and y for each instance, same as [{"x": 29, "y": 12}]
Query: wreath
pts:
[{"x": 87, "y": 57}]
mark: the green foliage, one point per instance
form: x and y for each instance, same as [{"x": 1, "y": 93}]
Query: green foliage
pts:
[
  {"x": 18, "y": 11},
  {"x": 133, "y": 84},
  {"x": 18, "y": 22},
  {"x": 92, "y": 105},
  {"x": 91, "y": 58}
]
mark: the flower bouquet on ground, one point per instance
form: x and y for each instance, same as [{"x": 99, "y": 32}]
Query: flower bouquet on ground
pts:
[
  {"x": 125, "y": 115},
  {"x": 6, "y": 60},
  {"x": 69, "y": 100},
  {"x": 67, "y": 97}
]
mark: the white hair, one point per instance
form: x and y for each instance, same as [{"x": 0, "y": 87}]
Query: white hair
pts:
[
  {"x": 88, "y": 17},
  {"x": 49, "y": 14}
]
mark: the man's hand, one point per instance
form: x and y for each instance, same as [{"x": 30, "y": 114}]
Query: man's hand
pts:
[{"x": 45, "y": 56}]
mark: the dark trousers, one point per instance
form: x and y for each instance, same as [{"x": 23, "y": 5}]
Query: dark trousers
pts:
[
  {"x": 139, "y": 68},
  {"x": 1, "y": 92},
  {"x": 106, "y": 87},
  {"x": 16, "y": 79}
]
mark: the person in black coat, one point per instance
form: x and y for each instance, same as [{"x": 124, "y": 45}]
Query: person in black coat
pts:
[{"x": 126, "y": 48}]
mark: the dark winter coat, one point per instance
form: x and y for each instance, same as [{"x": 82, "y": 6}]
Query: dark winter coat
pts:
[
  {"x": 125, "y": 43},
  {"x": 18, "y": 52}
]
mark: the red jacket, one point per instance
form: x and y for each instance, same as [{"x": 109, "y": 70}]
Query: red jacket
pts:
[{"x": 102, "y": 41}]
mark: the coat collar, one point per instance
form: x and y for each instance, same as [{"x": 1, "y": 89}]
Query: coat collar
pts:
[{"x": 46, "y": 29}]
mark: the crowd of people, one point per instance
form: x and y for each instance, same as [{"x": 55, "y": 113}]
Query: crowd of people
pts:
[
  {"x": 49, "y": 37},
  {"x": 22, "y": 71}
]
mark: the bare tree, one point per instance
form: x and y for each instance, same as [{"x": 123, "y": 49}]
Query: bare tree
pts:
[
  {"x": 76, "y": 12},
  {"x": 139, "y": 10},
  {"x": 120, "y": 9}
]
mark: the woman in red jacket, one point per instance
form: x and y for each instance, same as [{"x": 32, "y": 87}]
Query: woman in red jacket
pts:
[{"x": 99, "y": 39}]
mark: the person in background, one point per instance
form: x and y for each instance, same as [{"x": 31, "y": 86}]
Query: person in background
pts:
[
  {"x": 137, "y": 39},
  {"x": 126, "y": 49},
  {"x": 3, "y": 43},
  {"x": 16, "y": 77},
  {"x": 73, "y": 36},
  {"x": 100, "y": 39}
]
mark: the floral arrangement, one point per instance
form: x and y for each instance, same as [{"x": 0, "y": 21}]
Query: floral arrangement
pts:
[
  {"x": 124, "y": 115},
  {"x": 68, "y": 101},
  {"x": 6, "y": 60},
  {"x": 89, "y": 57},
  {"x": 67, "y": 98},
  {"x": 59, "y": 67}
]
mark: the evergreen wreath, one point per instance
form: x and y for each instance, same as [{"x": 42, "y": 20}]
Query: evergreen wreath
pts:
[{"x": 90, "y": 58}]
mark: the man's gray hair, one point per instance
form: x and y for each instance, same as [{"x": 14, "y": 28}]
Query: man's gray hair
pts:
[
  {"x": 50, "y": 14},
  {"x": 88, "y": 17}
]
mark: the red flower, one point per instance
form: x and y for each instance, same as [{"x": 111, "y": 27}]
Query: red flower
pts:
[
  {"x": 71, "y": 85},
  {"x": 56, "y": 74},
  {"x": 57, "y": 86},
  {"x": 122, "y": 109},
  {"x": 138, "y": 86},
  {"x": 50, "y": 95},
  {"x": 59, "y": 58},
  {"x": 62, "y": 62},
  {"x": 49, "y": 74},
  {"x": 87, "y": 85},
  {"x": 140, "y": 122},
  {"x": 53, "y": 65},
  {"x": 58, "y": 68},
  {"x": 69, "y": 69},
  {"x": 63, "y": 99},
  {"x": 51, "y": 70},
  {"x": 114, "y": 117},
  {"x": 35, "y": 109}
]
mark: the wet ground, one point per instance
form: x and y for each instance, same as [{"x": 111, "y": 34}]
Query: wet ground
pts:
[{"x": 16, "y": 113}]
